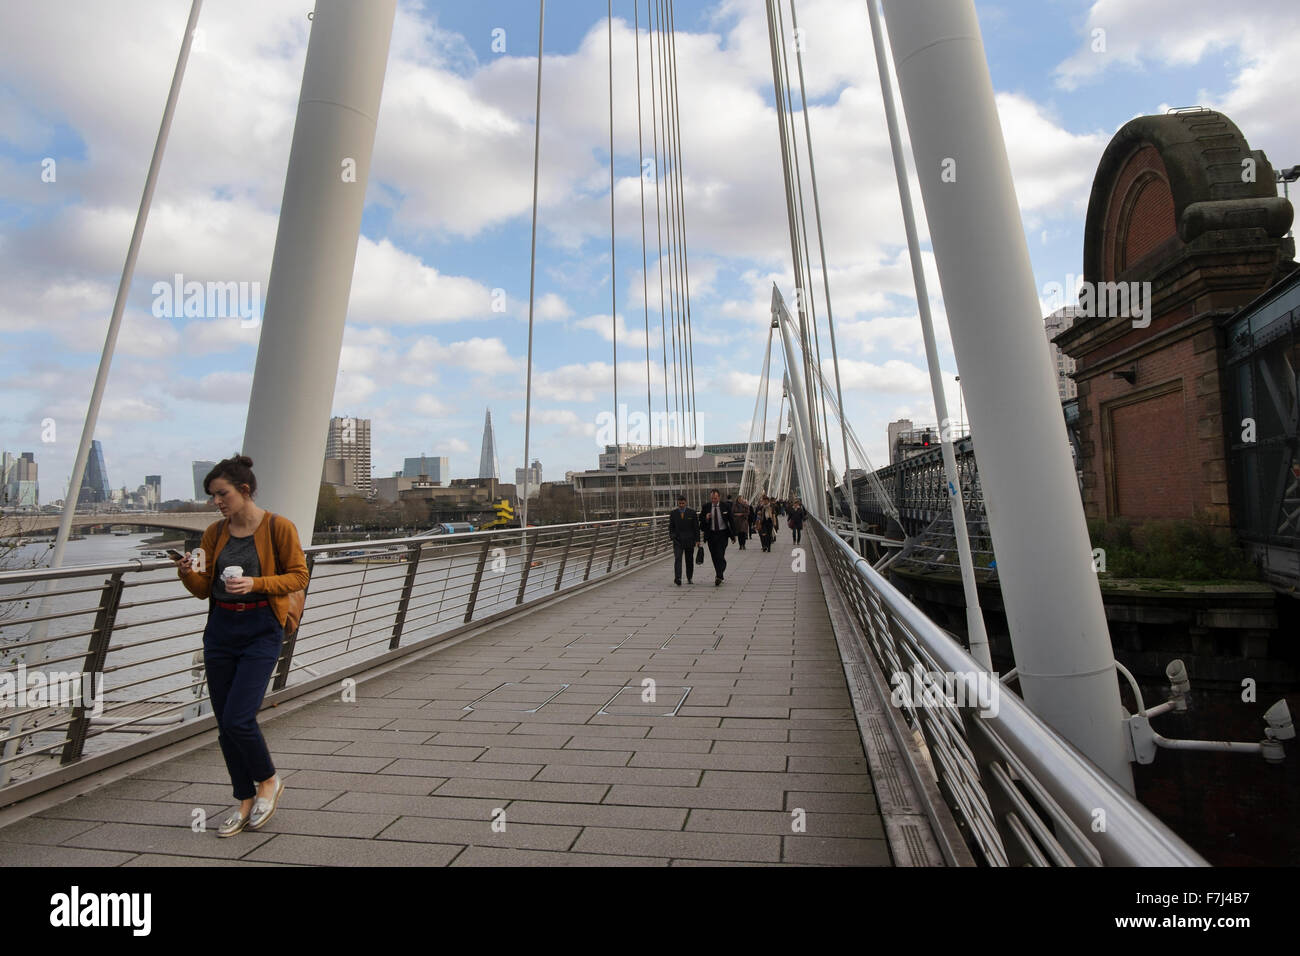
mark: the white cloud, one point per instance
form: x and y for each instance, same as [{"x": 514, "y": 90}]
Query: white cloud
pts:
[
  {"x": 562, "y": 418},
  {"x": 352, "y": 389},
  {"x": 484, "y": 356},
  {"x": 426, "y": 404},
  {"x": 583, "y": 382},
  {"x": 223, "y": 388},
  {"x": 1259, "y": 48},
  {"x": 600, "y": 324},
  {"x": 894, "y": 375},
  {"x": 206, "y": 336},
  {"x": 551, "y": 306},
  {"x": 393, "y": 286},
  {"x": 593, "y": 382}
]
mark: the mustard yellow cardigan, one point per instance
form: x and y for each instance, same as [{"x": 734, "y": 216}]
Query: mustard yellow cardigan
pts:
[{"x": 292, "y": 568}]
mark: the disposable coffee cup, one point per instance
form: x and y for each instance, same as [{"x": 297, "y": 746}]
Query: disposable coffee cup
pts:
[{"x": 233, "y": 571}]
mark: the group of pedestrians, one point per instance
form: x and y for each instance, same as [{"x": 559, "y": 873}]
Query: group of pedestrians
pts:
[{"x": 722, "y": 521}]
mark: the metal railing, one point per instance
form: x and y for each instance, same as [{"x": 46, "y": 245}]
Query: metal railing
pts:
[
  {"x": 1021, "y": 793},
  {"x": 135, "y": 627}
]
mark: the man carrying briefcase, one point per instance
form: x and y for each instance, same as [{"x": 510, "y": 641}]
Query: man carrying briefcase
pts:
[{"x": 684, "y": 530}]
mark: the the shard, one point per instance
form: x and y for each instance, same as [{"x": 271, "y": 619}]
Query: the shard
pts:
[{"x": 487, "y": 462}]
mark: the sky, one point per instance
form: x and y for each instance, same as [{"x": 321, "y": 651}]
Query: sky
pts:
[{"x": 448, "y": 209}]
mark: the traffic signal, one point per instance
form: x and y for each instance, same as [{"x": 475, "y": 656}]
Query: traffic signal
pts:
[{"x": 925, "y": 439}]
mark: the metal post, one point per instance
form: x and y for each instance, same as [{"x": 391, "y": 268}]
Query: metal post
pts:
[
  {"x": 613, "y": 552},
  {"x": 564, "y": 558},
  {"x": 631, "y": 546},
  {"x": 412, "y": 566},
  {"x": 93, "y": 667},
  {"x": 478, "y": 578},
  {"x": 315, "y": 253},
  {"x": 977, "y": 636},
  {"x": 528, "y": 563},
  {"x": 532, "y": 265},
  {"x": 592, "y": 556},
  {"x": 1050, "y": 591}
]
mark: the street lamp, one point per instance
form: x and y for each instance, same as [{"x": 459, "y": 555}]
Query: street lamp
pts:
[
  {"x": 1286, "y": 177},
  {"x": 961, "y": 408}
]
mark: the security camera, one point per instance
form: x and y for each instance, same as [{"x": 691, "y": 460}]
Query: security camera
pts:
[
  {"x": 1179, "y": 684},
  {"x": 1278, "y": 718}
]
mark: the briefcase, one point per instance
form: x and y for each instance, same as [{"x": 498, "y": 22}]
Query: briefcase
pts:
[{"x": 699, "y": 555}]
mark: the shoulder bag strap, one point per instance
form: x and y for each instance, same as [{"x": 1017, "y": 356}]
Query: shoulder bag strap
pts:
[
  {"x": 275, "y": 558},
  {"x": 225, "y": 528}
]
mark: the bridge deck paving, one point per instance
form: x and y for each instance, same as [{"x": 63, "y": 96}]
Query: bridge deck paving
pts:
[{"x": 406, "y": 775}]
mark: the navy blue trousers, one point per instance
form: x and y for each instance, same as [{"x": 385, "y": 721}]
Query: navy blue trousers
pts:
[{"x": 240, "y": 649}]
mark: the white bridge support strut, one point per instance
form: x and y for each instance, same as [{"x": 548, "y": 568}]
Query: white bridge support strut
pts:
[
  {"x": 811, "y": 485},
  {"x": 976, "y": 634},
  {"x": 1050, "y": 591},
  {"x": 315, "y": 253}
]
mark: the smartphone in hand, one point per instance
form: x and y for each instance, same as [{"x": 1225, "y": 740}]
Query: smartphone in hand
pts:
[{"x": 175, "y": 555}]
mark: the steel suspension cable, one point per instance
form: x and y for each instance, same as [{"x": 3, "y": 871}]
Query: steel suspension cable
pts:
[
  {"x": 532, "y": 264},
  {"x": 826, "y": 283},
  {"x": 613, "y": 267},
  {"x": 796, "y": 253},
  {"x": 686, "y": 267},
  {"x": 767, "y": 375},
  {"x": 751, "y": 467},
  {"x": 976, "y": 630},
  {"x": 821, "y": 438},
  {"x": 810, "y": 343},
  {"x": 645, "y": 279},
  {"x": 665, "y": 315},
  {"x": 679, "y": 371},
  {"x": 670, "y": 208},
  {"x": 119, "y": 303},
  {"x": 654, "y": 129}
]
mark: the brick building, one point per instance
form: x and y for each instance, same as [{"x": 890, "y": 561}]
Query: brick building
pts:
[{"x": 1184, "y": 228}]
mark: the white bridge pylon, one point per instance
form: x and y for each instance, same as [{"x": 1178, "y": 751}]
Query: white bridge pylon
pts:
[{"x": 775, "y": 479}]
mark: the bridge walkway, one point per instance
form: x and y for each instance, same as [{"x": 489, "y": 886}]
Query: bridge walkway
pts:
[{"x": 559, "y": 761}]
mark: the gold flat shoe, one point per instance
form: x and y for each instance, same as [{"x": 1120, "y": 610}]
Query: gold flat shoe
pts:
[
  {"x": 264, "y": 807},
  {"x": 233, "y": 824}
]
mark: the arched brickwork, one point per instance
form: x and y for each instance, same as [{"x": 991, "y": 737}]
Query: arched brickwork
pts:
[
  {"x": 1154, "y": 169},
  {"x": 1184, "y": 216}
]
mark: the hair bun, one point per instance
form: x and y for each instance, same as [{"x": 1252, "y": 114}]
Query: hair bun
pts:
[{"x": 244, "y": 460}]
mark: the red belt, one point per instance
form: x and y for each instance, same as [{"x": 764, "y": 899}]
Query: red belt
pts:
[{"x": 241, "y": 606}]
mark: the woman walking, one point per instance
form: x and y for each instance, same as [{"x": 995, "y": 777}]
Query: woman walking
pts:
[
  {"x": 766, "y": 523},
  {"x": 248, "y": 566},
  {"x": 740, "y": 521},
  {"x": 794, "y": 517}
]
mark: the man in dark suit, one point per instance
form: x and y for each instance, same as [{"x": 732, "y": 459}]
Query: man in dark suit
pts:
[
  {"x": 715, "y": 522},
  {"x": 684, "y": 530}
]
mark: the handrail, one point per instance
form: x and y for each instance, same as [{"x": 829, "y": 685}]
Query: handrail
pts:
[
  {"x": 417, "y": 588},
  {"x": 140, "y": 564},
  {"x": 1081, "y": 814}
]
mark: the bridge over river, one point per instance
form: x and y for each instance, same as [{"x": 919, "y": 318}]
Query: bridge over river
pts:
[
  {"x": 192, "y": 522},
  {"x": 507, "y": 715}
]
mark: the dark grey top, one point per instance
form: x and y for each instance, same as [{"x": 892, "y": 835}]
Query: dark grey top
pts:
[{"x": 240, "y": 551}]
